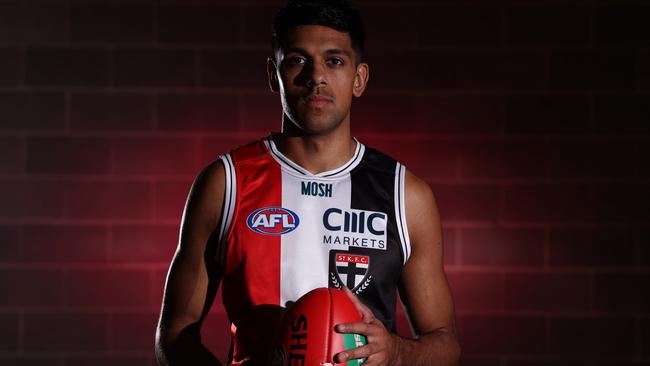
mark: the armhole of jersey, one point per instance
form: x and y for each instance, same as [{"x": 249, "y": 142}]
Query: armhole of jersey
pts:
[
  {"x": 228, "y": 208},
  {"x": 400, "y": 211}
]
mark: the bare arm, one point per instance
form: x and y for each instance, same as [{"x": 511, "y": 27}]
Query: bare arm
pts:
[
  {"x": 423, "y": 286},
  {"x": 193, "y": 278},
  {"x": 425, "y": 292}
]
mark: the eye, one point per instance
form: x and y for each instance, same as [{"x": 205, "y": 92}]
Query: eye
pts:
[
  {"x": 296, "y": 60},
  {"x": 335, "y": 61}
]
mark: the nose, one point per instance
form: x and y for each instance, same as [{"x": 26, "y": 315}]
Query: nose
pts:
[{"x": 315, "y": 74}]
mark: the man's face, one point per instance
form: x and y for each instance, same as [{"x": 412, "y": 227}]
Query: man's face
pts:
[{"x": 317, "y": 76}]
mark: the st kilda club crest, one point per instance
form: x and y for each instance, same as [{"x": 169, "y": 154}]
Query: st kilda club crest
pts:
[{"x": 351, "y": 270}]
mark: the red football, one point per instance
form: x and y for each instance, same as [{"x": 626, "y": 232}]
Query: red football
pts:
[{"x": 308, "y": 337}]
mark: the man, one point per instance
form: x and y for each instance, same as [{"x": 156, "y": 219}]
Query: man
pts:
[{"x": 310, "y": 207}]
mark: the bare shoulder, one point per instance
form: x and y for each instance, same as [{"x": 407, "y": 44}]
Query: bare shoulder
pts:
[
  {"x": 421, "y": 209},
  {"x": 205, "y": 199}
]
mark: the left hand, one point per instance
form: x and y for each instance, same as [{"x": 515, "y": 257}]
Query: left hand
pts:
[{"x": 382, "y": 347}]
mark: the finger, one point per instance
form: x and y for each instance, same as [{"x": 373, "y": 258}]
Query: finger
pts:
[
  {"x": 351, "y": 354},
  {"x": 358, "y": 328},
  {"x": 364, "y": 311}
]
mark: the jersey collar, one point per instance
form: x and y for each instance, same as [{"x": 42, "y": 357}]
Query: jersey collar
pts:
[{"x": 293, "y": 167}]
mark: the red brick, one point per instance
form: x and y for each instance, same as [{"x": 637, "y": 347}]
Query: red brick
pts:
[
  {"x": 593, "y": 70},
  {"x": 31, "y": 287},
  {"x": 150, "y": 156},
  {"x": 643, "y": 64},
  {"x": 622, "y": 292},
  {"x": 573, "y": 361},
  {"x": 110, "y": 360},
  {"x": 645, "y": 336},
  {"x": 645, "y": 156},
  {"x": 256, "y": 23},
  {"x": 64, "y": 244},
  {"x": 502, "y": 159},
  {"x": 547, "y": 291},
  {"x": 262, "y": 112},
  {"x": 622, "y": 113},
  {"x": 67, "y": 66},
  {"x": 31, "y": 199},
  {"x": 212, "y": 148},
  {"x": 35, "y": 22},
  {"x": 11, "y": 66},
  {"x": 466, "y": 202},
  {"x": 402, "y": 32},
  {"x": 103, "y": 199},
  {"x": 158, "y": 287},
  {"x": 97, "y": 22},
  {"x": 478, "y": 291},
  {"x": 450, "y": 243},
  {"x": 11, "y": 237},
  {"x": 170, "y": 199},
  {"x": 154, "y": 67},
  {"x": 29, "y": 360},
  {"x": 235, "y": 68},
  {"x": 516, "y": 335},
  {"x": 502, "y": 247},
  {"x": 478, "y": 360},
  {"x": 67, "y": 155},
  {"x": 32, "y": 111},
  {"x": 65, "y": 332},
  {"x": 199, "y": 23},
  {"x": 426, "y": 114},
  {"x": 591, "y": 336},
  {"x": 133, "y": 331},
  {"x": 427, "y": 69},
  {"x": 215, "y": 334},
  {"x": 12, "y": 155},
  {"x": 202, "y": 112},
  {"x": 547, "y": 114},
  {"x": 133, "y": 244},
  {"x": 622, "y": 202},
  {"x": 504, "y": 70},
  {"x": 591, "y": 247},
  {"x": 111, "y": 112},
  {"x": 548, "y": 24},
  {"x": 451, "y": 25},
  {"x": 547, "y": 202},
  {"x": 593, "y": 159},
  {"x": 622, "y": 23},
  {"x": 9, "y": 323},
  {"x": 644, "y": 248},
  {"x": 114, "y": 288},
  {"x": 441, "y": 156}
]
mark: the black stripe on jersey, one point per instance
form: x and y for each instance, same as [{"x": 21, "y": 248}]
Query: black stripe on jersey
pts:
[{"x": 373, "y": 189}]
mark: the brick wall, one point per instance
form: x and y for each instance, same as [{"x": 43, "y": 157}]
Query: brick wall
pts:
[{"x": 530, "y": 120}]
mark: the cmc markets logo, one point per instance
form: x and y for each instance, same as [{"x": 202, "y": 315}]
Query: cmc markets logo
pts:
[{"x": 272, "y": 221}]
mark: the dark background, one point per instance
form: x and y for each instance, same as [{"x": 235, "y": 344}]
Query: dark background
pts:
[{"x": 530, "y": 120}]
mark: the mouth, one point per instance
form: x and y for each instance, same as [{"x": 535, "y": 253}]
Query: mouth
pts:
[{"x": 315, "y": 100}]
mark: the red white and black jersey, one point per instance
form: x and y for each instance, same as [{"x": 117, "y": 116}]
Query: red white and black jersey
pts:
[{"x": 286, "y": 231}]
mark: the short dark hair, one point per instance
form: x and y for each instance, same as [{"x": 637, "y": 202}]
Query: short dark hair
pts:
[{"x": 337, "y": 14}]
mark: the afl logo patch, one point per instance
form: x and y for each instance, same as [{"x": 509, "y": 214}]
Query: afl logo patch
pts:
[{"x": 272, "y": 221}]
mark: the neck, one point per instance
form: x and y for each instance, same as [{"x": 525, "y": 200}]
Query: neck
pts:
[{"x": 316, "y": 153}]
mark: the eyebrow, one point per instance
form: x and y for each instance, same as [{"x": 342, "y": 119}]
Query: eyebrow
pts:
[{"x": 332, "y": 51}]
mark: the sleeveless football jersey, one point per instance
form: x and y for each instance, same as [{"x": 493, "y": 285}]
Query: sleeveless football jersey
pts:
[{"x": 286, "y": 231}]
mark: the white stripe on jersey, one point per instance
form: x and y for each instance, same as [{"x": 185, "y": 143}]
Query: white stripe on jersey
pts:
[
  {"x": 304, "y": 257},
  {"x": 229, "y": 197},
  {"x": 400, "y": 211}
]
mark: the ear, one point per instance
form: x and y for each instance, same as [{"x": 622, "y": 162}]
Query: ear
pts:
[
  {"x": 271, "y": 71},
  {"x": 361, "y": 79}
]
